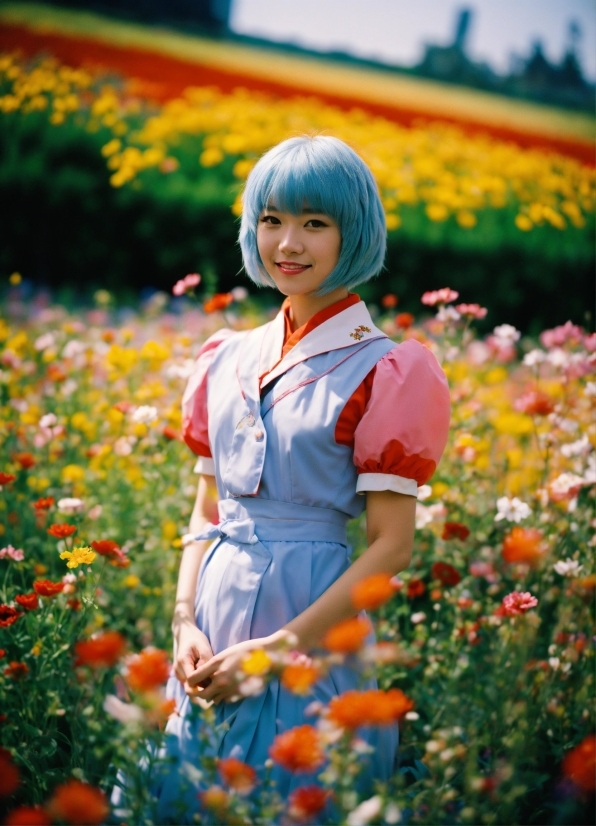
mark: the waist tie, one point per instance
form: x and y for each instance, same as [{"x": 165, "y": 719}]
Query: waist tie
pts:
[{"x": 247, "y": 521}]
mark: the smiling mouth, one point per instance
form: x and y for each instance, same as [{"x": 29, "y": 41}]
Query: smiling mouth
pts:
[{"x": 291, "y": 268}]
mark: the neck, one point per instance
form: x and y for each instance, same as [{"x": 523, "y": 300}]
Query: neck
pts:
[{"x": 305, "y": 306}]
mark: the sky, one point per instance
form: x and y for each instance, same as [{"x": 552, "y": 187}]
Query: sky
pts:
[{"x": 394, "y": 31}]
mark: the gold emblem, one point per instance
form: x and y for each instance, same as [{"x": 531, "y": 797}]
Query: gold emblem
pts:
[{"x": 359, "y": 332}]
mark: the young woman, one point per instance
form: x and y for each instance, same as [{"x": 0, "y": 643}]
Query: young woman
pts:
[{"x": 299, "y": 425}]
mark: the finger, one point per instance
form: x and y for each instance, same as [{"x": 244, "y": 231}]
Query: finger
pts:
[
  {"x": 200, "y": 674},
  {"x": 186, "y": 665}
]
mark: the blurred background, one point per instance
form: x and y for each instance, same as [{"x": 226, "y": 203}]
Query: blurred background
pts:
[{"x": 127, "y": 128}]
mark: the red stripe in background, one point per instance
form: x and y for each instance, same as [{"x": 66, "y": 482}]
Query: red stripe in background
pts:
[{"x": 166, "y": 77}]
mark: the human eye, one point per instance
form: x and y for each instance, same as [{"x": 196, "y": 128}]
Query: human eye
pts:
[
  {"x": 316, "y": 223},
  {"x": 269, "y": 219}
]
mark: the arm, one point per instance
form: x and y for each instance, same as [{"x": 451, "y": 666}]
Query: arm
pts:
[
  {"x": 390, "y": 528},
  {"x": 191, "y": 646}
]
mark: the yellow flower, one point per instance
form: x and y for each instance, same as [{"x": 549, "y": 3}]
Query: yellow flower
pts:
[
  {"x": 15, "y": 278},
  {"x": 523, "y": 222},
  {"x": 78, "y": 556},
  {"x": 36, "y": 650},
  {"x": 392, "y": 221},
  {"x": 131, "y": 581},
  {"x": 72, "y": 473},
  {"x": 437, "y": 212},
  {"x": 256, "y": 663}
]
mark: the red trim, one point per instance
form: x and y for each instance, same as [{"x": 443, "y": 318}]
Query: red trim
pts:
[{"x": 167, "y": 77}]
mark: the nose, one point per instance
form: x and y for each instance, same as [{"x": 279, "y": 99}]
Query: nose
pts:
[{"x": 290, "y": 241}]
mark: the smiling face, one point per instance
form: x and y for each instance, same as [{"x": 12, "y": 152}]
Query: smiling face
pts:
[{"x": 298, "y": 251}]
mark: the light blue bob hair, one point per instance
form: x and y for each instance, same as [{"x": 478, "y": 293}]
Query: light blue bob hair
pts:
[{"x": 324, "y": 174}]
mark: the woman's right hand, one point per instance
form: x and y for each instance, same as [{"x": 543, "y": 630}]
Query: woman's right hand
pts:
[{"x": 193, "y": 650}]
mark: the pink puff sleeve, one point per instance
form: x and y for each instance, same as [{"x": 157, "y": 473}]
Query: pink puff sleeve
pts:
[
  {"x": 403, "y": 432},
  {"x": 195, "y": 425}
]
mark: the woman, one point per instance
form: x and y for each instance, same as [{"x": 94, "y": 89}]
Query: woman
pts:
[{"x": 299, "y": 425}]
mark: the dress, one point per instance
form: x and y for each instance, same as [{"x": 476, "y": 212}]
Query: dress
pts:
[{"x": 287, "y": 490}]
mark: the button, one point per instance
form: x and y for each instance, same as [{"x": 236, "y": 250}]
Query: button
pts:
[{"x": 259, "y": 435}]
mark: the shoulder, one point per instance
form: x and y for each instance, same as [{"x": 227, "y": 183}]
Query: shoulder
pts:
[{"x": 410, "y": 362}]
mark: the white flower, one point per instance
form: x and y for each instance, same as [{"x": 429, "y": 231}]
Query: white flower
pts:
[
  {"x": 424, "y": 491},
  {"x": 68, "y": 387},
  {"x": 70, "y": 505},
  {"x": 123, "y": 445},
  {"x": 506, "y": 333},
  {"x": 558, "y": 357},
  {"x": 554, "y": 662},
  {"x": 513, "y": 510},
  {"x": 45, "y": 341},
  {"x": 145, "y": 414},
  {"x": 412, "y": 715},
  {"x": 365, "y": 812},
  {"x": 240, "y": 293},
  {"x": 565, "y": 482},
  {"x": 123, "y": 712},
  {"x": 392, "y": 813},
  {"x": 590, "y": 472},
  {"x": 180, "y": 371},
  {"x": 425, "y": 514},
  {"x": 251, "y": 685},
  {"x": 568, "y": 567},
  {"x": 72, "y": 349},
  {"x": 49, "y": 420},
  {"x": 447, "y": 314},
  {"x": 534, "y": 357},
  {"x": 578, "y": 448},
  {"x": 590, "y": 389},
  {"x": 418, "y": 617},
  {"x": 95, "y": 512}
]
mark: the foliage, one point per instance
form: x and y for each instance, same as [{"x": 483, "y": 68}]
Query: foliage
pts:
[{"x": 494, "y": 690}]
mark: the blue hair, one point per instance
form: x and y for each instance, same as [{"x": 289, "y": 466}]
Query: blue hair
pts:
[{"x": 326, "y": 175}]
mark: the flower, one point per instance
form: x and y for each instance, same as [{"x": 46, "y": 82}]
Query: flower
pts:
[
  {"x": 46, "y": 588},
  {"x": 82, "y": 555},
  {"x": 445, "y": 573},
  {"x": 111, "y": 549},
  {"x": 443, "y": 296},
  {"x": 147, "y": 670},
  {"x": 372, "y": 592},
  {"x": 455, "y": 530},
  {"x": 78, "y": 803},
  {"x": 348, "y": 636},
  {"x": 27, "y": 601},
  {"x": 16, "y": 670},
  {"x": 579, "y": 764},
  {"x": 237, "y": 775},
  {"x": 27, "y": 816},
  {"x": 367, "y": 810},
  {"x": 417, "y": 617},
  {"x": 517, "y": 603},
  {"x": 299, "y": 677},
  {"x": 416, "y": 588},
  {"x": 298, "y": 750},
  {"x": 145, "y": 414},
  {"x": 61, "y": 531},
  {"x": 307, "y": 801},
  {"x": 568, "y": 567},
  {"x": 25, "y": 460},
  {"x": 523, "y": 545},
  {"x": 513, "y": 510},
  {"x": 257, "y": 663},
  {"x": 70, "y": 505},
  {"x": 5, "y": 478},
  {"x": 9, "y": 774},
  {"x": 101, "y": 651},
  {"x": 186, "y": 284},
  {"x": 123, "y": 712},
  {"x": 218, "y": 302},
  {"x": 8, "y": 615},
  {"x": 565, "y": 486},
  {"x": 534, "y": 403},
  {"x": 506, "y": 334},
  {"x": 472, "y": 310},
  {"x": 16, "y": 554},
  {"x": 447, "y": 314},
  {"x": 369, "y": 708},
  {"x": 215, "y": 799},
  {"x": 404, "y": 320},
  {"x": 44, "y": 504}
]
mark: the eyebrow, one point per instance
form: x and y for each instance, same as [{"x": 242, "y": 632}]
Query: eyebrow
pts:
[{"x": 305, "y": 211}]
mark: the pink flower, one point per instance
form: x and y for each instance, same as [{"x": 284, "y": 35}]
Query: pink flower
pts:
[
  {"x": 590, "y": 343},
  {"x": 189, "y": 282},
  {"x": 558, "y": 336},
  {"x": 443, "y": 296},
  {"x": 473, "y": 310},
  {"x": 518, "y": 602},
  {"x": 12, "y": 553}
]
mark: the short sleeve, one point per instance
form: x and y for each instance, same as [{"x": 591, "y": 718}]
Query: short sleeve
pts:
[
  {"x": 403, "y": 432},
  {"x": 195, "y": 424}
]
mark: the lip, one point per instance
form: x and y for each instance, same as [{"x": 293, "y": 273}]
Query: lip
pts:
[{"x": 291, "y": 267}]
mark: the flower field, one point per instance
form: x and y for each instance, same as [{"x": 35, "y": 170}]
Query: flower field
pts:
[{"x": 485, "y": 649}]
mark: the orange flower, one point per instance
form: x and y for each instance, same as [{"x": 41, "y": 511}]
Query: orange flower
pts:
[
  {"x": 111, "y": 549},
  {"x": 348, "y": 636},
  {"x": 25, "y": 460},
  {"x": 78, "y": 803},
  {"x": 27, "y": 601},
  {"x": 16, "y": 670},
  {"x": 298, "y": 750},
  {"x": 219, "y": 302},
  {"x": 404, "y": 320},
  {"x": 28, "y": 816},
  {"x": 369, "y": 708},
  {"x": 237, "y": 775},
  {"x": 298, "y": 678},
  {"x": 524, "y": 545},
  {"x": 390, "y": 300},
  {"x": 62, "y": 530},
  {"x": 307, "y": 801},
  {"x": 535, "y": 403},
  {"x": 579, "y": 765},
  {"x": 372, "y": 592},
  {"x": 148, "y": 670},
  {"x": 5, "y": 478},
  {"x": 102, "y": 651},
  {"x": 44, "y": 503},
  {"x": 170, "y": 433},
  {"x": 54, "y": 373},
  {"x": 215, "y": 799},
  {"x": 47, "y": 588},
  {"x": 9, "y": 774}
]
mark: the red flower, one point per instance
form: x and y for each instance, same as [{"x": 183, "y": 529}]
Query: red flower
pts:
[
  {"x": 523, "y": 545},
  {"x": 390, "y": 300},
  {"x": 298, "y": 750},
  {"x": 111, "y": 549},
  {"x": 404, "y": 320},
  {"x": 219, "y": 302},
  {"x": 9, "y": 774},
  {"x": 8, "y": 615},
  {"x": 102, "y": 651},
  {"x": 25, "y": 460},
  {"x": 579, "y": 765},
  {"x": 446, "y": 574},
  {"x": 16, "y": 670},
  {"x": 353, "y": 709},
  {"x": 28, "y": 816},
  {"x": 416, "y": 588},
  {"x": 307, "y": 801},
  {"x": 170, "y": 433},
  {"x": 62, "y": 530},
  {"x": 47, "y": 588},
  {"x": 45, "y": 503},
  {"x": 535, "y": 403},
  {"x": 516, "y": 603},
  {"x": 348, "y": 636},
  {"x": 74, "y": 604},
  {"x": 78, "y": 803},
  {"x": 2, "y": 653},
  {"x": 5, "y": 478},
  {"x": 237, "y": 775},
  {"x": 455, "y": 530},
  {"x": 372, "y": 592},
  {"x": 54, "y": 373},
  {"x": 27, "y": 601},
  {"x": 148, "y": 670}
]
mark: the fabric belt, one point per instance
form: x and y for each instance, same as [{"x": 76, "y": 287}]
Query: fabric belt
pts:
[{"x": 247, "y": 521}]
